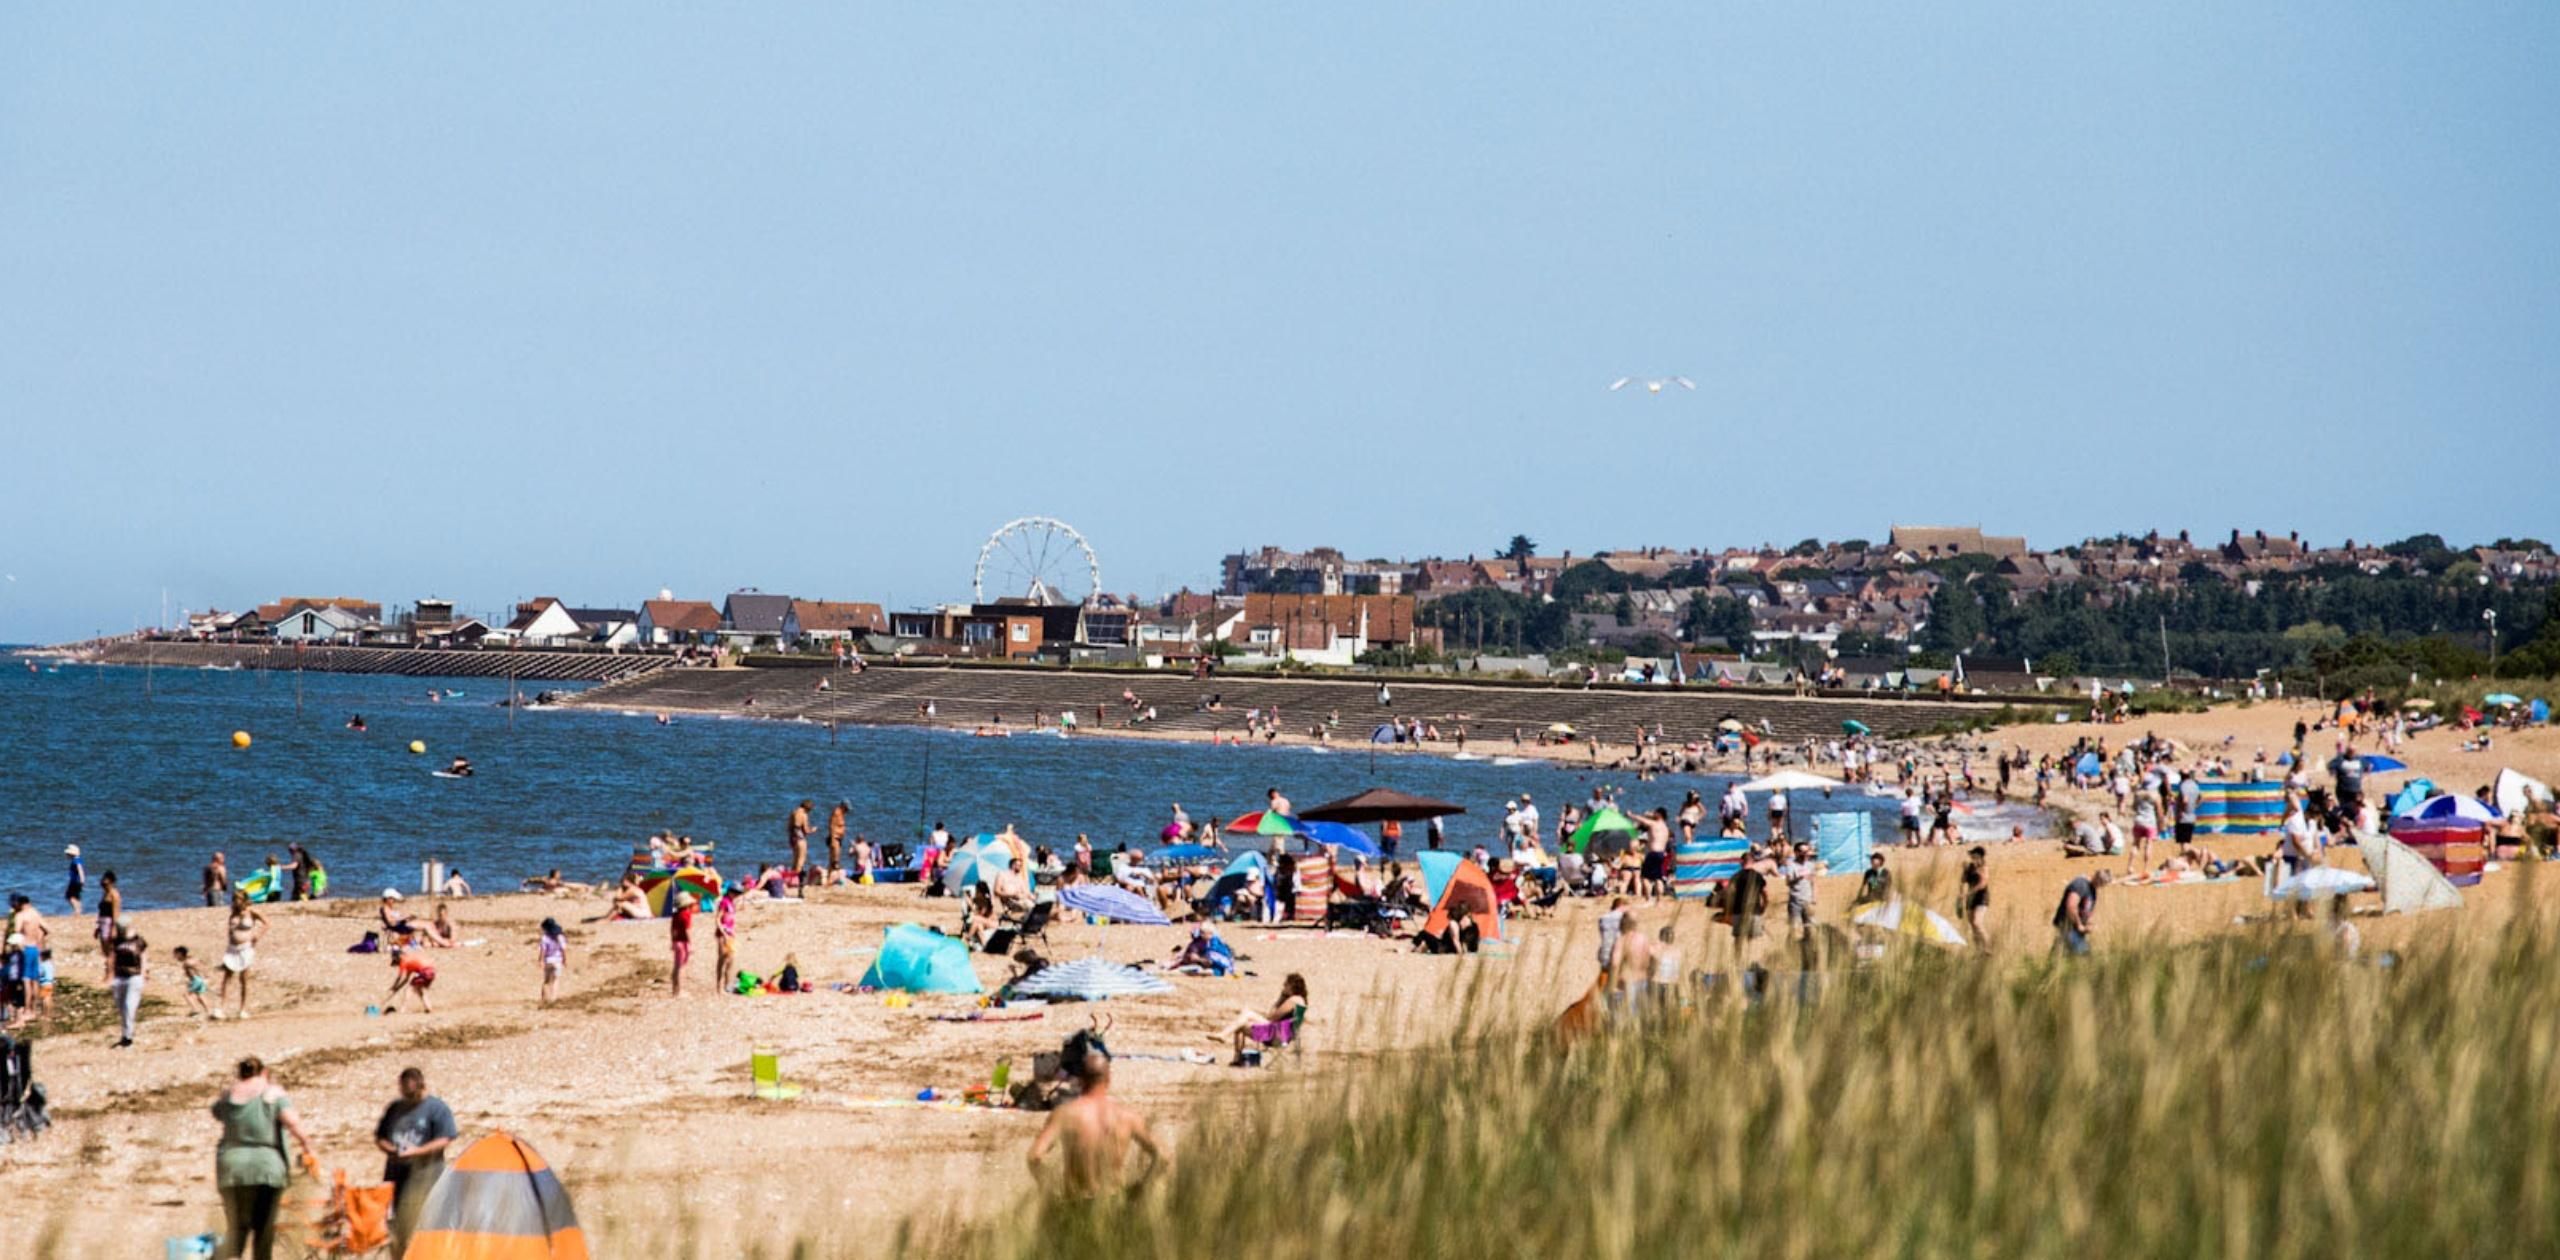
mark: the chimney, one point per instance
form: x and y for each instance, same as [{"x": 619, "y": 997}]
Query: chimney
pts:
[
  {"x": 2235, "y": 538},
  {"x": 2294, "y": 535},
  {"x": 2262, "y": 538}
]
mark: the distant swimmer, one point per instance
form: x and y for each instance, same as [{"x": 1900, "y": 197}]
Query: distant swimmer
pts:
[
  {"x": 460, "y": 769},
  {"x": 356, "y": 722},
  {"x": 434, "y": 696},
  {"x": 664, "y": 720}
]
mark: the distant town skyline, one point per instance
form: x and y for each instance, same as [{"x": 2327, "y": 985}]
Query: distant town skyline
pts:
[{"x": 494, "y": 305}]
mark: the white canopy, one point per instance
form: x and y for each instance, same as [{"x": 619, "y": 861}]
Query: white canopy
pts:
[{"x": 1791, "y": 780}]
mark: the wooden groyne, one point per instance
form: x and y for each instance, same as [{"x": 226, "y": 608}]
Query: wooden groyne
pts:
[
  {"x": 528, "y": 665},
  {"x": 1489, "y": 711}
]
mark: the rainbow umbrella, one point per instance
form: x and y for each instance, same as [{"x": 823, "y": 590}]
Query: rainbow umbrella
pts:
[{"x": 1263, "y": 822}]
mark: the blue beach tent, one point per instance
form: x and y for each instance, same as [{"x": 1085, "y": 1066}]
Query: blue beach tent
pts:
[{"x": 919, "y": 960}]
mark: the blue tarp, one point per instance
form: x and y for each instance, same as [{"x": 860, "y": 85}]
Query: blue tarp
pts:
[
  {"x": 2540, "y": 711},
  {"x": 2088, "y": 766},
  {"x": 919, "y": 960},
  {"x": 1843, "y": 841}
]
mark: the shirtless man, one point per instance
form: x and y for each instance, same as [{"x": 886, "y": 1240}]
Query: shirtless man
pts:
[
  {"x": 1013, "y": 890},
  {"x": 1094, "y": 1132},
  {"x": 835, "y": 841},
  {"x": 1630, "y": 967},
  {"x": 796, "y": 832}
]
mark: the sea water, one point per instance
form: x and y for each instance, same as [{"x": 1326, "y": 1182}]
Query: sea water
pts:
[{"x": 138, "y": 769}]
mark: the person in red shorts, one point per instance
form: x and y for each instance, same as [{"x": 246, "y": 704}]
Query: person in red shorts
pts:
[{"x": 409, "y": 970}]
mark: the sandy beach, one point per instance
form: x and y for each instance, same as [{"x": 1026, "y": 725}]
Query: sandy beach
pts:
[{"x": 642, "y": 1099}]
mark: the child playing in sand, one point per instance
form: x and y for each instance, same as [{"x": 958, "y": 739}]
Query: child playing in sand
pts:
[
  {"x": 196, "y": 985},
  {"x": 409, "y": 970},
  {"x": 553, "y": 949}
]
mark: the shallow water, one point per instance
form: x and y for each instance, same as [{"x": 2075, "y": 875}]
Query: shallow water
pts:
[{"x": 149, "y": 784}]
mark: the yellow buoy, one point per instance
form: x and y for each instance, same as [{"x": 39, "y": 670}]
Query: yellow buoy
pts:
[
  {"x": 239, "y": 739},
  {"x": 417, "y": 745}
]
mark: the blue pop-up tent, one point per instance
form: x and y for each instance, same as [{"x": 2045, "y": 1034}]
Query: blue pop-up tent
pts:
[
  {"x": 1437, "y": 866},
  {"x": 2409, "y": 797},
  {"x": 920, "y": 960}
]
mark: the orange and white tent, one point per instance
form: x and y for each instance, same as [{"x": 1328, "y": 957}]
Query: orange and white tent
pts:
[{"x": 497, "y": 1200}]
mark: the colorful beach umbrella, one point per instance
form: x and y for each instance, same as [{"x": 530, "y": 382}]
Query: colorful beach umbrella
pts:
[
  {"x": 1901, "y": 918},
  {"x": 1090, "y": 980},
  {"x": 2451, "y": 808},
  {"x": 1263, "y": 822},
  {"x": 2502, "y": 699},
  {"x": 1605, "y": 824},
  {"x": 497, "y": 1200},
  {"x": 1110, "y": 901},
  {"x": 1336, "y": 835}
]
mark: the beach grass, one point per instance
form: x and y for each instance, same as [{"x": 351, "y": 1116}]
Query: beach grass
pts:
[{"x": 2254, "y": 1095}]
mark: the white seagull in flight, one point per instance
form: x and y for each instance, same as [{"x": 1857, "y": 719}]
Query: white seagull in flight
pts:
[{"x": 1652, "y": 384}]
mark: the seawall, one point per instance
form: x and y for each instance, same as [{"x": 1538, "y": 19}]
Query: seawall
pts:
[
  {"x": 1489, "y": 711},
  {"x": 525, "y": 664}
]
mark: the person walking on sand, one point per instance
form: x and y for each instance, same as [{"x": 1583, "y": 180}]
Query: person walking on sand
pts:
[
  {"x": 1094, "y": 1133},
  {"x": 241, "y": 934},
  {"x": 194, "y": 981},
  {"x": 125, "y": 972},
  {"x": 110, "y": 907},
  {"x": 1974, "y": 896},
  {"x": 836, "y": 819},
  {"x": 249, "y": 1168},
  {"x": 795, "y": 834},
  {"x": 1631, "y": 967},
  {"x": 76, "y": 881},
  {"x": 679, "y": 942},
  {"x": 2077, "y": 916},
  {"x": 412, "y": 1136},
  {"x": 552, "y": 948}
]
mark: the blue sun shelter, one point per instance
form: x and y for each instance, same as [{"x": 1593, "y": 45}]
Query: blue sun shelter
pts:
[
  {"x": 920, "y": 960},
  {"x": 1843, "y": 841}
]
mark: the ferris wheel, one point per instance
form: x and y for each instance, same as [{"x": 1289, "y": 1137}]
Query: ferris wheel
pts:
[{"x": 1037, "y": 557}]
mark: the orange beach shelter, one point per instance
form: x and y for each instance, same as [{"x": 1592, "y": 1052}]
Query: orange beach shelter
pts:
[{"x": 497, "y": 1200}]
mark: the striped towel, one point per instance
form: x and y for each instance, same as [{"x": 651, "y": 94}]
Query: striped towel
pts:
[{"x": 1697, "y": 866}]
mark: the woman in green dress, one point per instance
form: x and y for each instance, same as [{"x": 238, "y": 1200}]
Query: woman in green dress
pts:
[{"x": 249, "y": 1165}]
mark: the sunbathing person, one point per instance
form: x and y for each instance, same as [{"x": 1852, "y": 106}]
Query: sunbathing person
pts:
[
  {"x": 440, "y": 932},
  {"x": 629, "y": 901},
  {"x": 1269, "y": 1027}
]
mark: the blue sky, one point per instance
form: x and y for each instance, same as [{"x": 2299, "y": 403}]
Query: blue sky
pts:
[{"x": 591, "y": 301}]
